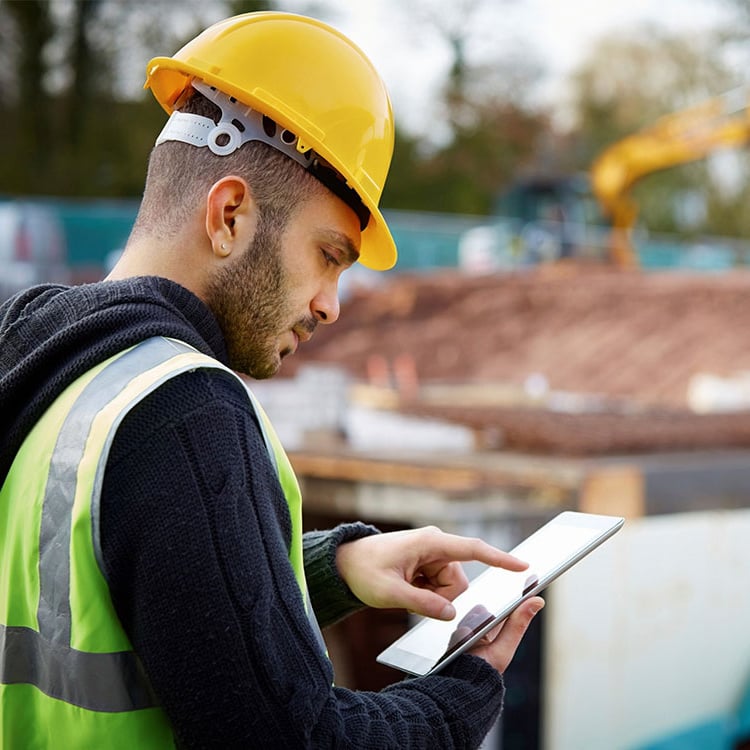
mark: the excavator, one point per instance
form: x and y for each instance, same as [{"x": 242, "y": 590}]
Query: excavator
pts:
[
  {"x": 677, "y": 138},
  {"x": 592, "y": 216}
]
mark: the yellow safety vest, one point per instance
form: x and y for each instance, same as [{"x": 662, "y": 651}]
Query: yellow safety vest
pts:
[{"x": 68, "y": 673}]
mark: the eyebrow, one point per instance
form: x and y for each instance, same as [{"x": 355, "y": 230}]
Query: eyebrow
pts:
[{"x": 343, "y": 243}]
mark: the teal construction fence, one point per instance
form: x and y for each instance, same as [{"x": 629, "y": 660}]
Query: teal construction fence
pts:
[{"x": 95, "y": 230}]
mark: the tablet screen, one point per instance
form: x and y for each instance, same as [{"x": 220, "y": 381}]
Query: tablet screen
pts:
[{"x": 496, "y": 591}]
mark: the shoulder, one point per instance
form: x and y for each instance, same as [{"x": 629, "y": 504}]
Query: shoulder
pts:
[
  {"x": 199, "y": 389},
  {"x": 205, "y": 406}
]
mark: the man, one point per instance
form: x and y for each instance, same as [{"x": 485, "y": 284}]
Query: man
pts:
[{"x": 156, "y": 586}]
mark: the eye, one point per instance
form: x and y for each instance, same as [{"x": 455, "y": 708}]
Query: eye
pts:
[{"x": 329, "y": 259}]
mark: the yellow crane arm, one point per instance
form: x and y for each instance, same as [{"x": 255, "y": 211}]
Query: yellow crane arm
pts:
[{"x": 677, "y": 138}]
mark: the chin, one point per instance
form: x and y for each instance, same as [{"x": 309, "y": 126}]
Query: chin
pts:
[
  {"x": 267, "y": 371},
  {"x": 257, "y": 368}
]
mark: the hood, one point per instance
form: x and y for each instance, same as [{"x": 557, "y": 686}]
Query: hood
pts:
[{"x": 50, "y": 335}]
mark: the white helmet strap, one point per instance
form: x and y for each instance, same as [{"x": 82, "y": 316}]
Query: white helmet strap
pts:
[{"x": 238, "y": 125}]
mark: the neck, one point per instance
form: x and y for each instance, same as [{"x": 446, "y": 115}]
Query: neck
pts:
[{"x": 150, "y": 257}]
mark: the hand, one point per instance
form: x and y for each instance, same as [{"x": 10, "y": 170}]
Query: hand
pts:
[
  {"x": 499, "y": 646},
  {"x": 417, "y": 570}
]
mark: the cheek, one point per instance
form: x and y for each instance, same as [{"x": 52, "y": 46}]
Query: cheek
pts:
[{"x": 299, "y": 289}]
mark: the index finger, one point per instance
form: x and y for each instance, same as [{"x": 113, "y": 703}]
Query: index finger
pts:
[{"x": 471, "y": 548}]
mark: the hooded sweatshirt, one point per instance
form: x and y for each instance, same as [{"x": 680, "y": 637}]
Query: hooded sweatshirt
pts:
[{"x": 195, "y": 532}]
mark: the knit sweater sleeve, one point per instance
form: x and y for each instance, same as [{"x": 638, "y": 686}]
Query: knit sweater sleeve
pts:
[
  {"x": 331, "y": 598},
  {"x": 195, "y": 535}
]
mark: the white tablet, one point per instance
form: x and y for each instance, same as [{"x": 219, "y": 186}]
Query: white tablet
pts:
[{"x": 431, "y": 644}]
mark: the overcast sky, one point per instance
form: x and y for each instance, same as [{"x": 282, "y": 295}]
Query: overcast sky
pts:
[
  {"x": 556, "y": 33},
  {"x": 413, "y": 59}
]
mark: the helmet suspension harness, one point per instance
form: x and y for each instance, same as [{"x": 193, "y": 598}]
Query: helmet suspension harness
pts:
[{"x": 239, "y": 125}]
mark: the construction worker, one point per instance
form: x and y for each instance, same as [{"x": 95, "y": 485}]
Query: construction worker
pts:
[{"x": 156, "y": 587}]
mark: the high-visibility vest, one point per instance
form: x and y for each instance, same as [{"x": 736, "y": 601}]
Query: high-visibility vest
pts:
[{"x": 68, "y": 673}]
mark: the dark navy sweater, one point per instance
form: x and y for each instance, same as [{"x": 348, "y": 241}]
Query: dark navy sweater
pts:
[{"x": 195, "y": 534}]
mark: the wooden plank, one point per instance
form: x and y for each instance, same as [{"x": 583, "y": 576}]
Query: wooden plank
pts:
[
  {"x": 352, "y": 469},
  {"x": 614, "y": 490}
]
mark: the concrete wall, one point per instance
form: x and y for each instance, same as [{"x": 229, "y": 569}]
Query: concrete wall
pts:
[{"x": 649, "y": 637}]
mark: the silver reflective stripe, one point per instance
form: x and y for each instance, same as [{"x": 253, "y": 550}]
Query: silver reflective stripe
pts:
[
  {"x": 53, "y": 613},
  {"x": 155, "y": 352},
  {"x": 72, "y": 676}
]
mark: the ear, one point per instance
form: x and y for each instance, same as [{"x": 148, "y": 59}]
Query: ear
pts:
[{"x": 231, "y": 215}]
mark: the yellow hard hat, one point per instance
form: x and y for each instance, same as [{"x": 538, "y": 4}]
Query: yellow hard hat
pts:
[{"x": 310, "y": 79}]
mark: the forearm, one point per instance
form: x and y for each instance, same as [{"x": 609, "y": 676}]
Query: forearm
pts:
[{"x": 451, "y": 710}]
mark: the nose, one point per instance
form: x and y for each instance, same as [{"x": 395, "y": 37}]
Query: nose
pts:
[{"x": 325, "y": 305}]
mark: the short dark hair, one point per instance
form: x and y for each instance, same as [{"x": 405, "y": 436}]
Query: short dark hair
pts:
[{"x": 179, "y": 175}]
